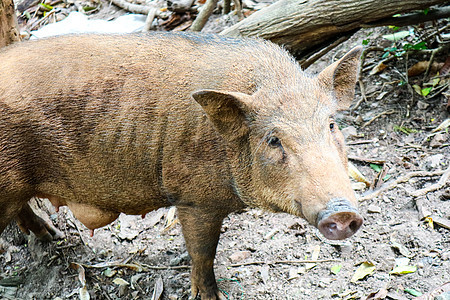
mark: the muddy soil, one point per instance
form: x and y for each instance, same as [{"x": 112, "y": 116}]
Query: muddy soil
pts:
[{"x": 262, "y": 255}]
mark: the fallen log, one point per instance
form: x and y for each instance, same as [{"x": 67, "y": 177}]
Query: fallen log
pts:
[{"x": 305, "y": 27}]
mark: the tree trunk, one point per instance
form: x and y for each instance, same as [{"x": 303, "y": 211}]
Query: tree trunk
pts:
[
  {"x": 305, "y": 27},
  {"x": 8, "y": 23}
]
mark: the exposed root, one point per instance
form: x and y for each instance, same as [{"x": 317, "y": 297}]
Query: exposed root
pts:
[
  {"x": 434, "y": 187},
  {"x": 281, "y": 262},
  {"x": 403, "y": 179}
]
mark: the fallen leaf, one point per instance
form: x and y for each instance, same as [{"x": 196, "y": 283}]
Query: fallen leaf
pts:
[
  {"x": 120, "y": 281},
  {"x": 426, "y": 91},
  {"x": 84, "y": 295},
  {"x": 401, "y": 270},
  {"x": 413, "y": 292},
  {"x": 354, "y": 173},
  {"x": 381, "y": 294},
  {"x": 170, "y": 219},
  {"x": 314, "y": 256},
  {"x": 378, "y": 68},
  {"x": 376, "y": 168},
  {"x": 418, "y": 68},
  {"x": 397, "y": 35},
  {"x": 158, "y": 290},
  {"x": 365, "y": 269},
  {"x": 402, "y": 249},
  {"x": 264, "y": 270},
  {"x": 418, "y": 89},
  {"x": 335, "y": 269}
]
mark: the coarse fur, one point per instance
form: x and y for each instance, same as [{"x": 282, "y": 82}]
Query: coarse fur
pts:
[{"x": 132, "y": 123}]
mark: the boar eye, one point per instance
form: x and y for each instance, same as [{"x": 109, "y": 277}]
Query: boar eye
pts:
[
  {"x": 274, "y": 142},
  {"x": 332, "y": 126}
]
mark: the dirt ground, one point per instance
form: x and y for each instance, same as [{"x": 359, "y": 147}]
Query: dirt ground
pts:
[{"x": 261, "y": 255}]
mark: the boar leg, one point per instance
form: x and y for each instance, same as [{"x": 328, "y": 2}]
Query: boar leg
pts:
[
  {"x": 201, "y": 230},
  {"x": 29, "y": 221}
]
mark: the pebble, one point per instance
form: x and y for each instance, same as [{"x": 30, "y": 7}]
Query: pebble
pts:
[{"x": 374, "y": 209}]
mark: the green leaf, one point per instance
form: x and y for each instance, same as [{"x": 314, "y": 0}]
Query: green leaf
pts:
[
  {"x": 426, "y": 91},
  {"x": 413, "y": 292},
  {"x": 365, "y": 269},
  {"x": 404, "y": 129},
  {"x": 376, "y": 167},
  {"x": 385, "y": 178},
  {"x": 400, "y": 270},
  {"x": 418, "y": 46},
  {"x": 396, "y": 36},
  {"x": 426, "y": 10},
  {"x": 365, "y": 42},
  {"x": 336, "y": 268},
  {"x": 46, "y": 6}
]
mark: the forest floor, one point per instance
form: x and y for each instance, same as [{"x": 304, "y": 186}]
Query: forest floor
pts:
[{"x": 261, "y": 255}]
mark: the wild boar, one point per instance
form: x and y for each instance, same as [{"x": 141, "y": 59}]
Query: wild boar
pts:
[{"x": 132, "y": 123}]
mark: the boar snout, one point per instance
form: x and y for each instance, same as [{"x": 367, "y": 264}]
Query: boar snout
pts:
[{"x": 339, "y": 220}]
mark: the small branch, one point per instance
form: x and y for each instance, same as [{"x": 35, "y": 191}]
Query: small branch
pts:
[
  {"x": 134, "y": 8},
  {"x": 411, "y": 19},
  {"x": 399, "y": 180},
  {"x": 149, "y": 20},
  {"x": 388, "y": 112},
  {"x": 367, "y": 160},
  {"x": 440, "y": 184},
  {"x": 204, "y": 15},
  {"x": 305, "y": 63},
  {"x": 226, "y": 7},
  {"x": 288, "y": 262},
  {"x": 165, "y": 267}
]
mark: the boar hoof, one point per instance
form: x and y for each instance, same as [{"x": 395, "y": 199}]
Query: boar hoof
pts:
[
  {"x": 210, "y": 293},
  {"x": 28, "y": 221},
  {"x": 339, "y": 221}
]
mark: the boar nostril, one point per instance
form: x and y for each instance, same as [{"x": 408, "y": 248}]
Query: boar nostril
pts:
[
  {"x": 340, "y": 225},
  {"x": 332, "y": 226},
  {"x": 354, "y": 226}
]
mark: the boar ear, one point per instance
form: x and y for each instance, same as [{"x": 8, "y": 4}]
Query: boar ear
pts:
[
  {"x": 340, "y": 77},
  {"x": 228, "y": 111}
]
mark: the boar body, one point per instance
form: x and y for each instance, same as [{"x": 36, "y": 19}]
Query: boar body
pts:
[{"x": 136, "y": 122}]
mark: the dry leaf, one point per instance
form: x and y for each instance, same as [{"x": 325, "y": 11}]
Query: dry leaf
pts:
[
  {"x": 314, "y": 256},
  {"x": 381, "y": 294},
  {"x": 365, "y": 269},
  {"x": 354, "y": 173},
  {"x": 120, "y": 281},
  {"x": 158, "y": 290},
  {"x": 400, "y": 270},
  {"x": 378, "y": 68}
]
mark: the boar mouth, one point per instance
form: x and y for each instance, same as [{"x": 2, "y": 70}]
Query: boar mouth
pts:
[{"x": 339, "y": 220}]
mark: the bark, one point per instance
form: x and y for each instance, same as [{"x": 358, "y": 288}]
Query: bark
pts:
[
  {"x": 8, "y": 23},
  {"x": 304, "y": 27}
]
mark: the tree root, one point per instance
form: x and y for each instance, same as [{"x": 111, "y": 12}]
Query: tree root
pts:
[{"x": 405, "y": 178}]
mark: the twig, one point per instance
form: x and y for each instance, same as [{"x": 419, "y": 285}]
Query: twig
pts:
[
  {"x": 149, "y": 20},
  {"x": 305, "y": 63},
  {"x": 165, "y": 267},
  {"x": 134, "y": 8},
  {"x": 288, "y": 262},
  {"x": 360, "y": 142},
  {"x": 204, "y": 15},
  {"x": 238, "y": 9},
  {"x": 362, "y": 89},
  {"x": 226, "y": 7},
  {"x": 399, "y": 180},
  {"x": 440, "y": 184},
  {"x": 368, "y": 160},
  {"x": 411, "y": 19},
  {"x": 388, "y": 112}
]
